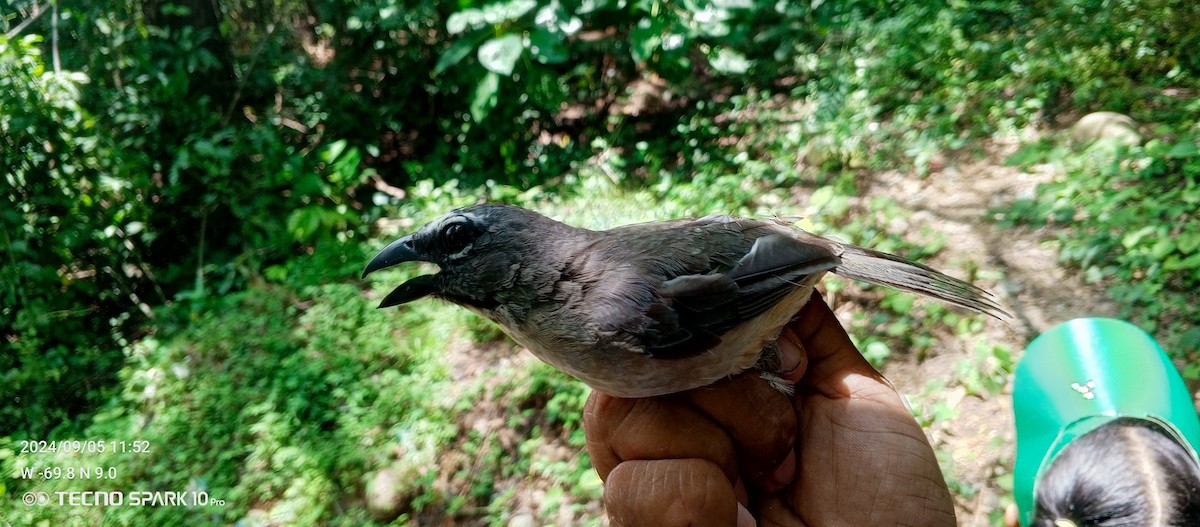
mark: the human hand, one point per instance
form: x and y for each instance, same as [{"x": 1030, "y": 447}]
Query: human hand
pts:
[{"x": 842, "y": 451}]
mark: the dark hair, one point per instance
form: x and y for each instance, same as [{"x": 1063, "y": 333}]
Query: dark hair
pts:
[{"x": 1126, "y": 473}]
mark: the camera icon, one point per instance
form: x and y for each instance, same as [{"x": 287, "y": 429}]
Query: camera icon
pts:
[{"x": 35, "y": 498}]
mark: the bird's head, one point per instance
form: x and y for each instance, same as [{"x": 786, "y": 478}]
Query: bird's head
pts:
[{"x": 478, "y": 249}]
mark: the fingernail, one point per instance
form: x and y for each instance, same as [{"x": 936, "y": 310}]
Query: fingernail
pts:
[
  {"x": 786, "y": 471},
  {"x": 744, "y": 518},
  {"x": 792, "y": 356}
]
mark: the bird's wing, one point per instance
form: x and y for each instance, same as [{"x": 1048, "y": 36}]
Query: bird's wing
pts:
[{"x": 696, "y": 309}]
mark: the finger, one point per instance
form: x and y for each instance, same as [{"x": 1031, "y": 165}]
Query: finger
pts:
[
  {"x": 761, "y": 422},
  {"x": 863, "y": 459},
  {"x": 831, "y": 354},
  {"x": 620, "y": 430},
  {"x": 1012, "y": 516},
  {"x": 670, "y": 492},
  {"x": 792, "y": 355}
]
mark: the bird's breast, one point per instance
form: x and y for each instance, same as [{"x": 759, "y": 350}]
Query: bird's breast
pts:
[{"x": 614, "y": 363}]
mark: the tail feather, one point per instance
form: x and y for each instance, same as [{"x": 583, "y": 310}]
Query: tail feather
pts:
[{"x": 893, "y": 271}]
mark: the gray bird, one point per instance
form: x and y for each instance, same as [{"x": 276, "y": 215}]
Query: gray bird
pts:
[{"x": 645, "y": 309}]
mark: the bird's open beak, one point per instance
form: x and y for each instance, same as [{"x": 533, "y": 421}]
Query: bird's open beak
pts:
[{"x": 396, "y": 253}]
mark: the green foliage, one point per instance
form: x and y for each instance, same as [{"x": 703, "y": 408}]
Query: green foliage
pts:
[
  {"x": 1004, "y": 481},
  {"x": 128, "y": 184},
  {"x": 931, "y": 406},
  {"x": 541, "y": 36},
  {"x": 957, "y": 486},
  {"x": 550, "y": 404},
  {"x": 939, "y": 73},
  {"x": 988, "y": 372},
  {"x": 1128, "y": 219},
  {"x": 268, "y": 401},
  {"x": 66, "y": 295}
]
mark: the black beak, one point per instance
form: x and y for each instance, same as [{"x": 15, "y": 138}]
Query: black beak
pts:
[
  {"x": 395, "y": 253},
  {"x": 418, "y": 287}
]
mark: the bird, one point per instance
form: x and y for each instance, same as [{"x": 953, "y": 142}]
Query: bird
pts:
[{"x": 645, "y": 309}]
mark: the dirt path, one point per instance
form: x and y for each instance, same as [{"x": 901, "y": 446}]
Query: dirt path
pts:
[{"x": 955, "y": 200}]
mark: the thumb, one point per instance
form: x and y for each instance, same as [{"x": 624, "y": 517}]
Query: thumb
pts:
[{"x": 672, "y": 493}]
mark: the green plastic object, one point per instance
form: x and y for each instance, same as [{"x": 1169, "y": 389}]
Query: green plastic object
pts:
[{"x": 1081, "y": 374}]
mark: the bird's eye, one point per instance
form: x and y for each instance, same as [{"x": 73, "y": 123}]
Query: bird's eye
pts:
[{"x": 456, "y": 237}]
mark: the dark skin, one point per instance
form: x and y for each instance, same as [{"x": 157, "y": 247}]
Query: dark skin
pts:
[{"x": 842, "y": 451}]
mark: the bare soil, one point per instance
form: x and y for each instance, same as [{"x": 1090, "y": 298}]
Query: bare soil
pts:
[{"x": 1040, "y": 293}]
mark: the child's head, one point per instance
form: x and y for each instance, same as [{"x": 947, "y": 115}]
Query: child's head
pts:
[
  {"x": 1125, "y": 473},
  {"x": 1107, "y": 434}
]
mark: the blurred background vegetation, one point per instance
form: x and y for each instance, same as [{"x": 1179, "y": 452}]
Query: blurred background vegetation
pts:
[{"x": 190, "y": 189}]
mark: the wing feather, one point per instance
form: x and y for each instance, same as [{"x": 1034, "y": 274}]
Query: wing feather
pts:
[
  {"x": 893, "y": 271},
  {"x": 699, "y": 308}
]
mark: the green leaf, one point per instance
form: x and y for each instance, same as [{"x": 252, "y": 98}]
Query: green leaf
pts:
[
  {"x": 1162, "y": 248},
  {"x": 555, "y": 18},
  {"x": 1131, "y": 240},
  {"x": 462, "y": 20},
  {"x": 877, "y": 352},
  {"x": 645, "y": 39},
  {"x": 304, "y": 222},
  {"x": 1184, "y": 149},
  {"x": 1190, "y": 339},
  {"x": 674, "y": 64},
  {"x": 484, "y": 98},
  {"x": 730, "y": 62},
  {"x": 1176, "y": 264},
  {"x": 1188, "y": 242},
  {"x": 458, "y": 51},
  {"x": 592, "y": 6},
  {"x": 900, "y": 303},
  {"x": 714, "y": 29},
  {"x": 333, "y": 150},
  {"x": 492, "y": 14},
  {"x": 547, "y": 47},
  {"x": 508, "y": 11},
  {"x": 828, "y": 203},
  {"x": 500, "y": 54},
  {"x": 1030, "y": 154}
]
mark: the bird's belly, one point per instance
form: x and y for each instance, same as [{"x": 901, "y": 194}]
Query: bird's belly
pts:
[{"x": 616, "y": 369}]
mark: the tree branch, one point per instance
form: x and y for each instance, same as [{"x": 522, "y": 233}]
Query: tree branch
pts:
[{"x": 38, "y": 11}]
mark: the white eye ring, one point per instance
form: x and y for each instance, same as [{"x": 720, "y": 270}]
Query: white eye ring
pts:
[{"x": 456, "y": 239}]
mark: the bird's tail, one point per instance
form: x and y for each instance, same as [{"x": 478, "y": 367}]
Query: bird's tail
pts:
[{"x": 893, "y": 271}]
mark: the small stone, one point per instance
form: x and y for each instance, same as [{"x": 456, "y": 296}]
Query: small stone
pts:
[
  {"x": 1113, "y": 127},
  {"x": 390, "y": 492},
  {"x": 523, "y": 519}
]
